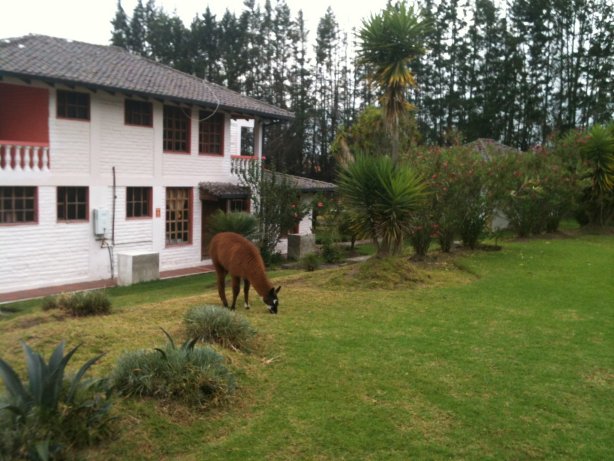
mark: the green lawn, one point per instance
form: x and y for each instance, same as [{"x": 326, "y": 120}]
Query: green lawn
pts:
[{"x": 495, "y": 355}]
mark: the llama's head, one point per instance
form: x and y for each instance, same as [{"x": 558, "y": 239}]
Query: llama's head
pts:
[{"x": 271, "y": 300}]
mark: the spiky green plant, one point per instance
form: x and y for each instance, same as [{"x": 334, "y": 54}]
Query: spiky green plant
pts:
[
  {"x": 599, "y": 151},
  {"x": 52, "y": 411},
  {"x": 193, "y": 375},
  {"x": 381, "y": 198},
  {"x": 240, "y": 222}
]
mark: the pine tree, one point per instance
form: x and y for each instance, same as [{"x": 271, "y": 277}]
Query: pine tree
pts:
[{"x": 121, "y": 30}]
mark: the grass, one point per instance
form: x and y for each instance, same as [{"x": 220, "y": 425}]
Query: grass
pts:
[{"x": 493, "y": 355}]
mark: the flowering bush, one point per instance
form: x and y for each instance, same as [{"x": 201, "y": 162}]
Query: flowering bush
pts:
[
  {"x": 460, "y": 204},
  {"x": 534, "y": 190}
]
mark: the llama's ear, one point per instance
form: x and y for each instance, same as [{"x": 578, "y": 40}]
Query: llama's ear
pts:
[{"x": 278, "y": 288}]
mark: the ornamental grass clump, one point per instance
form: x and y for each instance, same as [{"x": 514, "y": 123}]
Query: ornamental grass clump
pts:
[
  {"x": 192, "y": 375},
  {"x": 219, "y": 325},
  {"x": 52, "y": 413},
  {"x": 80, "y": 304}
]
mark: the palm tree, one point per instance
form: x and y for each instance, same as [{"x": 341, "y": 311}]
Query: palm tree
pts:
[
  {"x": 381, "y": 199},
  {"x": 388, "y": 42}
]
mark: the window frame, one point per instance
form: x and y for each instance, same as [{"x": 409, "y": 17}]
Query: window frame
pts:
[
  {"x": 207, "y": 127},
  {"x": 170, "y": 114},
  {"x": 170, "y": 242},
  {"x": 147, "y": 198},
  {"x": 62, "y": 105},
  {"x": 138, "y": 113},
  {"x": 65, "y": 203},
  {"x": 14, "y": 211}
]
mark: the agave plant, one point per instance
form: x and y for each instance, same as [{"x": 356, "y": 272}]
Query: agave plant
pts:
[
  {"x": 45, "y": 381},
  {"x": 42, "y": 408}
]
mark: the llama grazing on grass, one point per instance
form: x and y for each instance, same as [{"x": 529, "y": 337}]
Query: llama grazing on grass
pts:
[{"x": 235, "y": 255}]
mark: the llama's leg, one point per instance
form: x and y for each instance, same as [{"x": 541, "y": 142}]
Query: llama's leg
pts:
[
  {"x": 246, "y": 292},
  {"x": 236, "y": 289},
  {"x": 221, "y": 285}
]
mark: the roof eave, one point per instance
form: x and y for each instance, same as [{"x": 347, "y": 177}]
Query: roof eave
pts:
[{"x": 112, "y": 89}]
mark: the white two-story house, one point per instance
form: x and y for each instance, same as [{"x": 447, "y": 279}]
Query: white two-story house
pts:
[{"x": 103, "y": 152}]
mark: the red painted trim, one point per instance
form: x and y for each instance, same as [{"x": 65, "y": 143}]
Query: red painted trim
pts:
[
  {"x": 191, "y": 220},
  {"x": 189, "y": 134},
  {"x": 87, "y": 120},
  {"x": 248, "y": 157},
  {"x": 79, "y": 119},
  {"x": 137, "y": 124},
  {"x": 25, "y": 143},
  {"x": 150, "y": 201},
  {"x": 26, "y": 223},
  {"x": 87, "y": 207}
]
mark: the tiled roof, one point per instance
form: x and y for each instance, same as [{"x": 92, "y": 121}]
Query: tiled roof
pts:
[
  {"x": 307, "y": 184},
  {"x": 56, "y": 60},
  {"x": 224, "y": 189},
  {"x": 229, "y": 190},
  {"x": 487, "y": 147}
]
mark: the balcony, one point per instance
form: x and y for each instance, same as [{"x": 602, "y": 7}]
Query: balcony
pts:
[
  {"x": 24, "y": 157},
  {"x": 241, "y": 164}
]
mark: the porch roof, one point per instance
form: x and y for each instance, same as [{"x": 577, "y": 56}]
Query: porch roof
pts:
[{"x": 224, "y": 190}]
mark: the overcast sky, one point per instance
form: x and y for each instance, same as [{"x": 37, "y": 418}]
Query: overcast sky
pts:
[{"x": 90, "y": 20}]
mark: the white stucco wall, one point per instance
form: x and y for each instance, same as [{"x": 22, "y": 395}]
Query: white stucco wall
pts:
[{"x": 83, "y": 153}]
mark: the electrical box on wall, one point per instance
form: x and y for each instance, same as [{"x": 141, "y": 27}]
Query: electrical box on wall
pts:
[{"x": 102, "y": 222}]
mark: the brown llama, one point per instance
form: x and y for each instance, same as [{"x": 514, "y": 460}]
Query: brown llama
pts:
[{"x": 235, "y": 255}]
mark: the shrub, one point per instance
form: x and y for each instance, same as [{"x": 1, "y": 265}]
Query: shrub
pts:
[
  {"x": 534, "y": 190},
  {"x": 240, "y": 222},
  {"x": 219, "y": 325},
  {"x": 421, "y": 235},
  {"x": 52, "y": 413},
  {"x": 311, "y": 262},
  {"x": 459, "y": 200},
  {"x": 89, "y": 303},
  {"x": 195, "y": 376},
  {"x": 80, "y": 304},
  {"x": 331, "y": 252},
  {"x": 50, "y": 303}
]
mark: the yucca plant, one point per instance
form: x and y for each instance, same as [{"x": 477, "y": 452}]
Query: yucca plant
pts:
[
  {"x": 52, "y": 411},
  {"x": 599, "y": 152},
  {"x": 381, "y": 198},
  {"x": 193, "y": 375}
]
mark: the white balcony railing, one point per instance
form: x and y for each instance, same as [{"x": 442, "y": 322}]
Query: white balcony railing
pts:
[
  {"x": 239, "y": 164},
  {"x": 18, "y": 156}
]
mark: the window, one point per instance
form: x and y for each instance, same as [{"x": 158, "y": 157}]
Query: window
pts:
[
  {"x": 176, "y": 129},
  {"x": 138, "y": 113},
  {"x": 75, "y": 105},
  {"x": 247, "y": 140},
  {"x": 178, "y": 215},
  {"x": 72, "y": 203},
  {"x": 18, "y": 205},
  {"x": 211, "y": 133},
  {"x": 239, "y": 204},
  {"x": 138, "y": 202}
]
